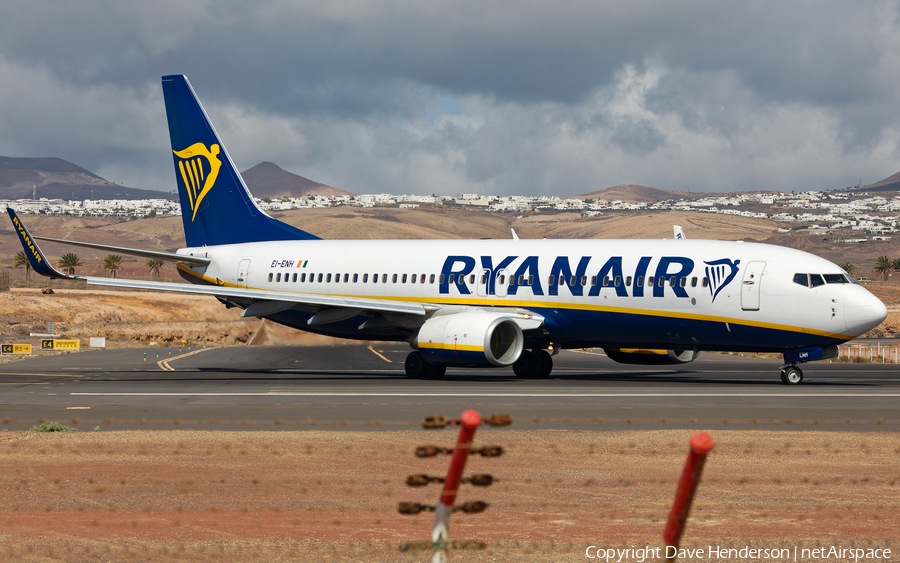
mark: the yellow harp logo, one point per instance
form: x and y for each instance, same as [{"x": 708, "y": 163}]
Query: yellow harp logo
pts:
[{"x": 199, "y": 168}]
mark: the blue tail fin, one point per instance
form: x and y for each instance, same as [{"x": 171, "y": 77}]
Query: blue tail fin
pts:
[{"x": 216, "y": 205}]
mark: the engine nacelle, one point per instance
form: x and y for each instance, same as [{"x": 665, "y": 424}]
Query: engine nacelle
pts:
[
  {"x": 651, "y": 357},
  {"x": 474, "y": 338}
]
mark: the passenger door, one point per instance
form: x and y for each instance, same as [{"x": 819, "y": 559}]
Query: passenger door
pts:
[
  {"x": 750, "y": 286},
  {"x": 243, "y": 272}
]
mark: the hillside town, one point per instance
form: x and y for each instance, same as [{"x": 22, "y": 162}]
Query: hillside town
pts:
[{"x": 867, "y": 216}]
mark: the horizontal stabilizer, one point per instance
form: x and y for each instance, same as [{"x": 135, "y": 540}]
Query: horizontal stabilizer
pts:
[{"x": 167, "y": 256}]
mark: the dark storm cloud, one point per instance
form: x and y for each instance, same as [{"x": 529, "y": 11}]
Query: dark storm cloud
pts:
[{"x": 555, "y": 96}]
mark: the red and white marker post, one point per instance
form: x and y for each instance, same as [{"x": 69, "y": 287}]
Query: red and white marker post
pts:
[
  {"x": 701, "y": 444},
  {"x": 468, "y": 423}
]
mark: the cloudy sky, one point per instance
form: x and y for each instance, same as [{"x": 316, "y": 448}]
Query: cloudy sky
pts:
[{"x": 468, "y": 96}]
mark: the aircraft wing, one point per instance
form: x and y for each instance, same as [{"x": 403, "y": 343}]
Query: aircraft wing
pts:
[
  {"x": 272, "y": 299},
  {"x": 263, "y": 301}
]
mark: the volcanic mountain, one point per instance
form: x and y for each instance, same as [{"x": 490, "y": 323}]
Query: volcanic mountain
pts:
[
  {"x": 269, "y": 180},
  {"x": 633, "y": 193},
  {"x": 889, "y": 184},
  {"x": 55, "y": 178}
]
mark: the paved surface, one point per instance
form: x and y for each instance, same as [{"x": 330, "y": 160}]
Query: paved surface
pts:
[{"x": 364, "y": 387}]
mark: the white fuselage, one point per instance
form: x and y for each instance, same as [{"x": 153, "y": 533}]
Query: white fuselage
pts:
[{"x": 708, "y": 294}]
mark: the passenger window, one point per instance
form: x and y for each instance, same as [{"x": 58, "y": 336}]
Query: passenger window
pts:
[
  {"x": 383, "y": 278},
  {"x": 483, "y": 279},
  {"x": 816, "y": 280},
  {"x": 605, "y": 281},
  {"x": 394, "y": 278},
  {"x": 594, "y": 281},
  {"x": 834, "y": 278},
  {"x": 302, "y": 278},
  {"x": 530, "y": 280},
  {"x": 472, "y": 278},
  {"x": 550, "y": 280},
  {"x": 694, "y": 281},
  {"x": 501, "y": 280},
  {"x": 270, "y": 276},
  {"x": 650, "y": 280},
  {"x": 801, "y": 279},
  {"x": 661, "y": 281},
  {"x": 320, "y": 277},
  {"x": 573, "y": 281},
  {"x": 683, "y": 282},
  {"x": 287, "y": 278},
  {"x": 628, "y": 281},
  {"x": 278, "y": 277},
  {"x": 346, "y": 278},
  {"x": 355, "y": 278},
  {"x": 511, "y": 279},
  {"x": 521, "y": 280},
  {"x": 583, "y": 280},
  {"x": 404, "y": 278},
  {"x": 639, "y": 282},
  {"x": 441, "y": 279},
  {"x": 412, "y": 279},
  {"x": 705, "y": 282},
  {"x": 328, "y": 279},
  {"x": 672, "y": 281},
  {"x": 423, "y": 278},
  {"x": 618, "y": 281},
  {"x": 365, "y": 278},
  {"x": 451, "y": 279},
  {"x": 375, "y": 278},
  {"x": 431, "y": 278}
]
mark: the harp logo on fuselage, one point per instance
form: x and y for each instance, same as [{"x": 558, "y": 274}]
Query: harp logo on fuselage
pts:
[{"x": 199, "y": 169}]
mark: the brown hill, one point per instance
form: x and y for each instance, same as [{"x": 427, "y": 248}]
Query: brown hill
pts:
[
  {"x": 634, "y": 193},
  {"x": 55, "y": 178},
  {"x": 267, "y": 179},
  {"x": 889, "y": 184}
]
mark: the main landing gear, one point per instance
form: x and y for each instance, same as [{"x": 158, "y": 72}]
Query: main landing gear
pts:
[
  {"x": 535, "y": 364},
  {"x": 791, "y": 375},
  {"x": 418, "y": 368}
]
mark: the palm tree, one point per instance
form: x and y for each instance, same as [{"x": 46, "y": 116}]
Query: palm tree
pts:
[
  {"x": 883, "y": 266},
  {"x": 68, "y": 261},
  {"x": 848, "y": 267},
  {"x": 21, "y": 259},
  {"x": 154, "y": 264},
  {"x": 895, "y": 264},
  {"x": 112, "y": 263}
]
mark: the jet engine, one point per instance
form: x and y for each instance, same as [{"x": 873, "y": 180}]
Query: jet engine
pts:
[
  {"x": 651, "y": 357},
  {"x": 472, "y": 338}
]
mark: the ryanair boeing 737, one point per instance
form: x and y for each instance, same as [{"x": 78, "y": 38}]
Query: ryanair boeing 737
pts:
[{"x": 462, "y": 303}]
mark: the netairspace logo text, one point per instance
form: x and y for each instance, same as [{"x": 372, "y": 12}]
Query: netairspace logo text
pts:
[{"x": 641, "y": 554}]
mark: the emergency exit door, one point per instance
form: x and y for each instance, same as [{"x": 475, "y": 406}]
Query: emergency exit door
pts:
[{"x": 750, "y": 286}]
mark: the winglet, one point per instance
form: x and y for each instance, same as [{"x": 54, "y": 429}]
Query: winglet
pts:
[
  {"x": 515, "y": 236},
  {"x": 39, "y": 262},
  {"x": 679, "y": 232}
]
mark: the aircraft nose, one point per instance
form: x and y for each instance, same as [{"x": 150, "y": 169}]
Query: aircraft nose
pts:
[{"x": 862, "y": 310}]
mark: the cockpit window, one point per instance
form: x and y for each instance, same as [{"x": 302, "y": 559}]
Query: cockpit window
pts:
[
  {"x": 835, "y": 278},
  {"x": 802, "y": 279},
  {"x": 816, "y": 280}
]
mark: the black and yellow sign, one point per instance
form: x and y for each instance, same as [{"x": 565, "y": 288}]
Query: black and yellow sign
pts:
[
  {"x": 60, "y": 344},
  {"x": 16, "y": 348}
]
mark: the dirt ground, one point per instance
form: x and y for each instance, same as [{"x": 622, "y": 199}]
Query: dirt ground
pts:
[{"x": 332, "y": 496}]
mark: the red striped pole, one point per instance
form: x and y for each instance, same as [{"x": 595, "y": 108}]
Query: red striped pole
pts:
[
  {"x": 701, "y": 444},
  {"x": 469, "y": 422}
]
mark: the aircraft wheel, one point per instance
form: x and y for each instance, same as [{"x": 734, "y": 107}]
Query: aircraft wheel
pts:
[
  {"x": 792, "y": 376},
  {"x": 527, "y": 366},
  {"x": 545, "y": 363},
  {"x": 416, "y": 366},
  {"x": 435, "y": 372}
]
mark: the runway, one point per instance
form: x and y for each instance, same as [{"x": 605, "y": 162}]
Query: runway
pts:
[{"x": 363, "y": 387}]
